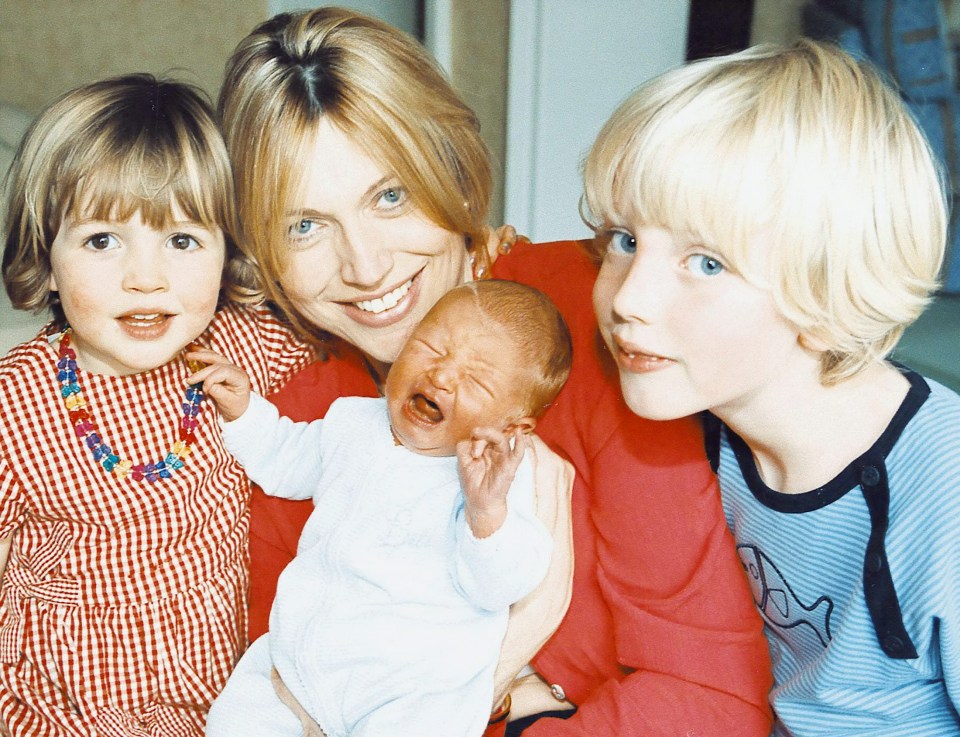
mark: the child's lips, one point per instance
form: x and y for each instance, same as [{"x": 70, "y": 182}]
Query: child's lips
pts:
[
  {"x": 144, "y": 325},
  {"x": 425, "y": 409},
  {"x": 143, "y": 319},
  {"x": 635, "y": 360}
]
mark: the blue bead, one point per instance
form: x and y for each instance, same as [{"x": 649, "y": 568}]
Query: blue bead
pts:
[
  {"x": 194, "y": 393},
  {"x": 68, "y": 389}
]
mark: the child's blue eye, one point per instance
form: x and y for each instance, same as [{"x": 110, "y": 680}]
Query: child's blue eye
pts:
[
  {"x": 183, "y": 242},
  {"x": 706, "y": 265},
  {"x": 622, "y": 242},
  {"x": 102, "y": 242}
]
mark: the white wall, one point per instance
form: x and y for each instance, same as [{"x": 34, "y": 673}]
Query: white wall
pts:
[
  {"x": 401, "y": 13},
  {"x": 571, "y": 62}
]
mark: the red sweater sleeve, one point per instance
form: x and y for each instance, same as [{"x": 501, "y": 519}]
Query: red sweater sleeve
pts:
[{"x": 662, "y": 636}]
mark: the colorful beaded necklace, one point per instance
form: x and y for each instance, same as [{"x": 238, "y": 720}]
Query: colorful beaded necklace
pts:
[{"x": 103, "y": 454}]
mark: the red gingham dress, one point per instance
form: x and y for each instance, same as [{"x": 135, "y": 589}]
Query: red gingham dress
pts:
[{"x": 123, "y": 604}]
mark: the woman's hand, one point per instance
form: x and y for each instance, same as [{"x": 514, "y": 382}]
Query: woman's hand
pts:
[
  {"x": 499, "y": 242},
  {"x": 534, "y": 618}
]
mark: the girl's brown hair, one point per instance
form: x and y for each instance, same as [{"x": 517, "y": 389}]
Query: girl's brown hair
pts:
[{"x": 106, "y": 151}]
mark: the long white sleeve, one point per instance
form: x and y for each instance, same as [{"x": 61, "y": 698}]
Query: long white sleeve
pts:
[{"x": 281, "y": 455}]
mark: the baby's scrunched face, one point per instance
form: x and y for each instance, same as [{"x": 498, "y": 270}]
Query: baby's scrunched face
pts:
[
  {"x": 135, "y": 295},
  {"x": 456, "y": 374}
]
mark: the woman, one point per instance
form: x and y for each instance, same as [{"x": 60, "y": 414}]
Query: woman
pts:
[{"x": 363, "y": 191}]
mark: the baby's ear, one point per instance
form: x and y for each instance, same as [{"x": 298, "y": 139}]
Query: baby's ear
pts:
[{"x": 526, "y": 425}]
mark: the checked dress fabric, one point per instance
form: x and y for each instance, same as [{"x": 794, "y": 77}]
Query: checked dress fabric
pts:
[{"x": 123, "y": 604}]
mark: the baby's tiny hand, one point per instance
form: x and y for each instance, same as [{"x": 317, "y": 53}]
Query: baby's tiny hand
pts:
[
  {"x": 488, "y": 462},
  {"x": 226, "y": 384}
]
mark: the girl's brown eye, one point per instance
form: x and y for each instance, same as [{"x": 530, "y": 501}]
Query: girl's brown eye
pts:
[
  {"x": 183, "y": 242},
  {"x": 102, "y": 242}
]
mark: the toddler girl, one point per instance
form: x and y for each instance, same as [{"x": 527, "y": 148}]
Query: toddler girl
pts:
[{"x": 123, "y": 520}]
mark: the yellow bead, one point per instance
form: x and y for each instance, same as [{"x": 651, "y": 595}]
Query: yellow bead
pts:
[
  {"x": 122, "y": 468},
  {"x": 74, "y": 401}
]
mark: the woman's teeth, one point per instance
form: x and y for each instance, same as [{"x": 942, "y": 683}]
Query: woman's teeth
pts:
[{"x": 387, "y": 301}]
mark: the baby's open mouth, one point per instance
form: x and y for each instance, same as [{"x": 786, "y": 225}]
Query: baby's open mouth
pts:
[{"x": 425, "y": 408}]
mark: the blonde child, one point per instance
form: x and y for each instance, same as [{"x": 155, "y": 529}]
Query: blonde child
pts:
[
  {"x": 123, "y": 519},
  {"x": 771, "y": 223},
  {"x": 391, "y": 616}
]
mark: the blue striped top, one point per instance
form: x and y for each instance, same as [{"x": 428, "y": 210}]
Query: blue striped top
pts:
[{"x": 810, "y": 565}]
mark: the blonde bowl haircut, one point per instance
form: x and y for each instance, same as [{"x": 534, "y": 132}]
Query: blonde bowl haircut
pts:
[
  {"x": 106, "y": 151},
  {"x": 803, "y": 170},
  {"x": 376, "y": 84},
  {"x": 535, "y": 326}
]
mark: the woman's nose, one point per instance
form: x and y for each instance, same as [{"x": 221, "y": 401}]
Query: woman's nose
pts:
[{"x": 366, "y": 259}]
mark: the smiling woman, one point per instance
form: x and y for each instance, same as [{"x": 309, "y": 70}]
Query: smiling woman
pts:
[{"x": 363, "y": 190}]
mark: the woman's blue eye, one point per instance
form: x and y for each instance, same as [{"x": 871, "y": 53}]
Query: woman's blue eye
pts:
[
  {"x": 183, "y": 242},
  {"x": 302, "y": 227},
  {"x": 392, "y": 196},
  {"x": 102, "y": 242},
  {"x": 705, "y": 265},
  {"x": 622, "y": 242}
]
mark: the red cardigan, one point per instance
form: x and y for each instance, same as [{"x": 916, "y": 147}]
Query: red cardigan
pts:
[{"x": 662, "y": 636}]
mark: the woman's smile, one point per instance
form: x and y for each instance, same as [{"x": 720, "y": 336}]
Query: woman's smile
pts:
[
  {"x": 387, "y": 308},
  {"x": 362, "y": 265}
]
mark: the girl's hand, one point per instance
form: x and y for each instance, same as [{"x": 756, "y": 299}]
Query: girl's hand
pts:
[
  {"x": 226, "y": 384},
  {"x": 488, "y": 462}
]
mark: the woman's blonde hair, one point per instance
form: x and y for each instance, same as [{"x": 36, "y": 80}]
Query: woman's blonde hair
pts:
[
  {"x": 802, "y": 152},
  {"x": 106, "y": 151},
  {"x": 376, "y": 84}
]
